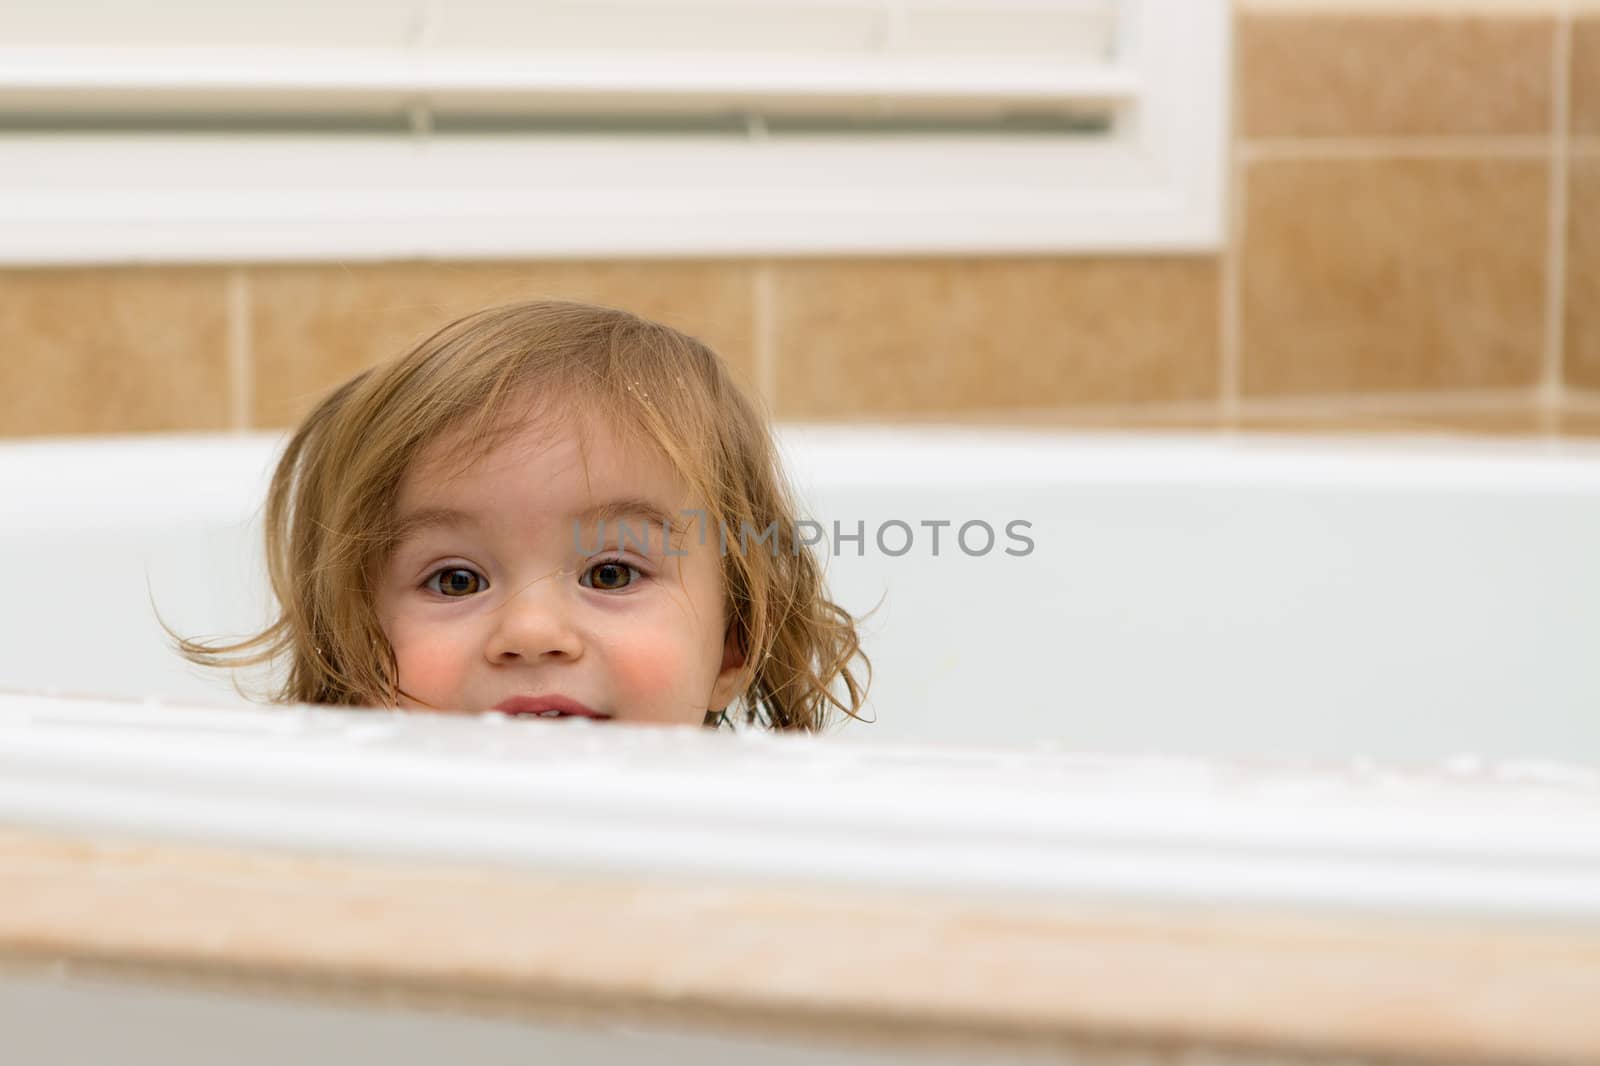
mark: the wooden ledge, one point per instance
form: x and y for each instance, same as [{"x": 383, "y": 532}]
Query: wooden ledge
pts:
[{"x": 879, "y": 966}]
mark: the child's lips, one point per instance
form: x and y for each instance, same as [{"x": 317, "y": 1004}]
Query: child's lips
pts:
[{"x": 547, "y": 707}]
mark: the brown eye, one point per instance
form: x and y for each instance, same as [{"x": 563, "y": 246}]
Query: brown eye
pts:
[
  {"x": 610, "y": 576},
  {"x": 456, "y": 582}
]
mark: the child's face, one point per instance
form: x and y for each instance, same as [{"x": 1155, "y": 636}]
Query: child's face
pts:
[{"x": 500, "y": 592}]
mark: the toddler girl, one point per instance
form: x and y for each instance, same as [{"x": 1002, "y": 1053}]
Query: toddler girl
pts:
[{"x": 538, "y": 511}]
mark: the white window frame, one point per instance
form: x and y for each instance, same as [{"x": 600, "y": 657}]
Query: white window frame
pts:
[{"x": 1155, "y": 185}]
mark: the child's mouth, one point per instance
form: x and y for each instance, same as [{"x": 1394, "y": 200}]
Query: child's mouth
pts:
[{"x": 546, "y": 707}]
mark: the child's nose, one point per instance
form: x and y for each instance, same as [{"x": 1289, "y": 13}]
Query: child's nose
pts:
[{"x": 532, "y": 625}]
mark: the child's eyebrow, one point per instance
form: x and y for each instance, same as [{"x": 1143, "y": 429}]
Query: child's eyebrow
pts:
[
  {"x": 630, "y": 507},
  {"x": 414, "y": 522}
]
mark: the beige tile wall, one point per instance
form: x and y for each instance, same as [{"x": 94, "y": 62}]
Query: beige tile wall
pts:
[
  {"x": 900, "y": 337},
  {"x": 311, "y": 327},
  {"x": 1582, "y": 311},
  {"x": 1415, "y": 229},
  {"x": 112, "y": 351},
  {"x": 1396, "y": 202}
]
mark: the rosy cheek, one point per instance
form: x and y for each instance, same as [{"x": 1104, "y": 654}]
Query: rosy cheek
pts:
[
  {"x": 660, "y": 682},
  {"x": 645, "y": 670},
  {"x": 663, "y": 666},
  {"x": 432, "y": 671}
]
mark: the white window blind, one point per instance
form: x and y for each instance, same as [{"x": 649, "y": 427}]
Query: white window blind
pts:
[{"x": 481, "y": 127}]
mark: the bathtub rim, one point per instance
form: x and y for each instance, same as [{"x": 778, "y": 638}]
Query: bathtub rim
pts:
[{"x": 1473, "y": 841}]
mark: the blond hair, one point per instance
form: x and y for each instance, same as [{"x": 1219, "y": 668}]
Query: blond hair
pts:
[{"x": 330, "y": 522}]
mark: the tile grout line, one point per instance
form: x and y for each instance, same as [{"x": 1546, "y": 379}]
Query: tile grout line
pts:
[
  {"x": 1421, "y": 147},
  {"x": 1456, "y": 401},
  {"x": 1370, "y": 9},
  {"x": 764, "y": 297},
  {"x": 1231, "y": 370},
  {"x": 1555, "y": 303},
  {"x": 1585, "y": 401},
  {"x": 239, "y": 353},
  {"x": 1418, "y": 403}
]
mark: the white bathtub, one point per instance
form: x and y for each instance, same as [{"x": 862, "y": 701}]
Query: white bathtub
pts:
[
  {"x": 1202, "y": 595},
  {"x": 1248, "y": 600}
]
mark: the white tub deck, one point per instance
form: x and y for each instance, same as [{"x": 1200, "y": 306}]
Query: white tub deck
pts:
[
  {"x": 1370, "y": 826},
  {"x": 1206, "y": 595},
  {"x": 837, "y": 898}
]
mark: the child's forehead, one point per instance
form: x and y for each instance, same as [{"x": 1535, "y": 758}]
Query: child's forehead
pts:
[{"x": 573, "y": 462}]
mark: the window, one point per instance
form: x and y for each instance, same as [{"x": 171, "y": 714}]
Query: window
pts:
[{"x": 309, "y": 129}]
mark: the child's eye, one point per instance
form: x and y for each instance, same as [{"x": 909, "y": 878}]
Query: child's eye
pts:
[
  {"x": 609, "y": 576},
  {"x": 456, "y": 582}
]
